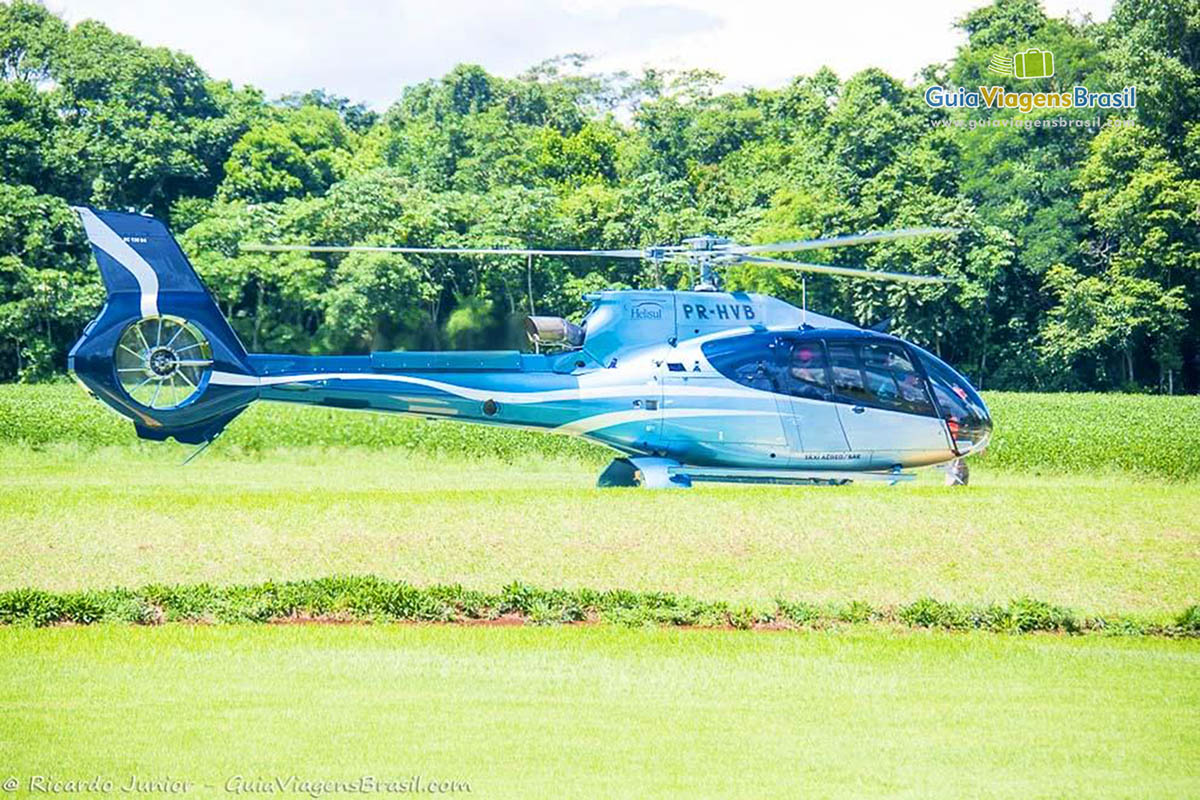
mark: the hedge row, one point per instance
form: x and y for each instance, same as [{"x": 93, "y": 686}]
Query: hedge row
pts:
[
  {"x": 1147, "y": 435},
  {"x": 371, "y": 599}
]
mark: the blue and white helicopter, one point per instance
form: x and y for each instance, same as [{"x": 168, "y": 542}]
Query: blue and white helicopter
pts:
[{"x": 686, "y": 386}]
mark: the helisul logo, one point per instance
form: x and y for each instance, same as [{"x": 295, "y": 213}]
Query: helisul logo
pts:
[{"x": 646, "y": 310}]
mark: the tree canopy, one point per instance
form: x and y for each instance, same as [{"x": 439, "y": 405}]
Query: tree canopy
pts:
[{"x": 1079, "y": 267}]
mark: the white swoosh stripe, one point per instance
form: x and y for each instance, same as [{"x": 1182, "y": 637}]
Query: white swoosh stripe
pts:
[
  {"x": 107, "y": 240},
  {"x": 233, "y": 379},
  {"x": 470, "y": 393},
  {"x": 598, "y": 421}
]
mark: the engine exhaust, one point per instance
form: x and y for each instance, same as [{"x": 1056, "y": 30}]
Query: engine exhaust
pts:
[{"x": 553, "y": 331}]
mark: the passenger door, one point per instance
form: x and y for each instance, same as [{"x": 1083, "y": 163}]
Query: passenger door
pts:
[{"x": 814, "y": 430}]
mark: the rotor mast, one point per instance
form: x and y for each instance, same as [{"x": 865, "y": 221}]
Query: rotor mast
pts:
[{"x": 703, "y": 252}]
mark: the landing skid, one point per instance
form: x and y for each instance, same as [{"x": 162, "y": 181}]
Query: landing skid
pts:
[{"x": 664, "y": 473}]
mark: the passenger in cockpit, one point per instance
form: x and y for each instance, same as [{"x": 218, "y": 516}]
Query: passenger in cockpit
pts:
[{"x": 807, "y": 373}]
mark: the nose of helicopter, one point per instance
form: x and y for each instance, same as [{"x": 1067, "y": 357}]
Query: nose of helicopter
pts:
[
  {"x": 972, "y": 430},
  {"x": 986, "y": 428},
  {"x": 968, "y": 420}
]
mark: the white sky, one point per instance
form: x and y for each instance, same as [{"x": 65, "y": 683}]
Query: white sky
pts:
[{"x": 368, "y": 49}]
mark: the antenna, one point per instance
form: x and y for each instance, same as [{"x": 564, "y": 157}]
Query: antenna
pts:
[
  {"x": 529, "y": 281},
  {"x": 803, "y": 301},
  {"x": 203, "y": 446}
]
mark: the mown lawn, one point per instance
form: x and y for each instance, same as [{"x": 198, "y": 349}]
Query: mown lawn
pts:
[
  {"x": 595, "y": 711},
  {"x": 607, "y": 712},
  {"x": 83, "y": 519}
]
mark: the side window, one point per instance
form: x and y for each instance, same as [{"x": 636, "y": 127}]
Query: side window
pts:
[
  {"x": 806, "y": 375},
  {"x": 847, "y": 377},
  {"x": 748, "y": 360},
  {"x": 892, "y": 379}
]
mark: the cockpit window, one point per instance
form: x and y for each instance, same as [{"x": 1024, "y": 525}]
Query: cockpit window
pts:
[
  {"x": 806, "y": 374},
  {"x": 879, "y": 374},
  {"x": 848, "y": 381},
  {"x": 892, "y": 378},
  {"x": 757, "y": 375}
]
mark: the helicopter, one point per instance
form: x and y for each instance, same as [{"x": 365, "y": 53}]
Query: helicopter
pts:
[{"x": 685, "y": 386}]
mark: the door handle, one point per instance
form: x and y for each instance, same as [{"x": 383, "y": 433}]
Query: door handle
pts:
[{"x": 859, "y": 409}]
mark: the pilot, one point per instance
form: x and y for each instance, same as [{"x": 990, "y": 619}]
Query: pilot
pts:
[
  {"x": 761, "y": 379},
  {"x": 911, "y": 390}
]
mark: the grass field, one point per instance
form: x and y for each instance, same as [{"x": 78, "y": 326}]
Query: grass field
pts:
[
  {"x": 607, "y": 712},
  {"x": 88, "y": 519},
  {"x": 586, "y": 711}
]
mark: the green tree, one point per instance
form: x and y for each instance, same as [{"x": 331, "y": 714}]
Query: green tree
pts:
[
  {"x": 1077, "y": 266},
  {"x": 46, "y": 292},
  {"x": 1092, "y": 334},
  {"x": 296, "y": 153}
]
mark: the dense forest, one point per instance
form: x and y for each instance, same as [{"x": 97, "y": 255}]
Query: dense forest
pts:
[{"x": 1079, "y": 267}]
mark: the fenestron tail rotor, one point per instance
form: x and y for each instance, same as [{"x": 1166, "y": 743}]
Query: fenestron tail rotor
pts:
[
  {"x": 705, "y": 252},
  {"x": 162, "y": 362}
]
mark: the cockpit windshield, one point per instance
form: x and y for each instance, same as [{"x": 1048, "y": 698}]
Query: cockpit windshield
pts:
[
  {"x": 876, "y": 371},
  {"x": 960, "y": 405}
]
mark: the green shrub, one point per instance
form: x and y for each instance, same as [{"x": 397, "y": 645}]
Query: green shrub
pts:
[
  {"x": 627, "y": 617},
  {"x": 856, "y": 611},
  {"x": 467, "y": 603},
  {"x": 1019, "y": 616},
  {"x": 1026, "y": 615},
  {"x": 1189, "y": 621},
  {"x": 398, "y": 601},
  {"x": 1120, "y": 626},
  {"x": 798, "y": 613},
  {"x": 121, "y": 605},
  {"x": 250, "y": 604},
  {"x": 82, "y": 608},
  {"x": 517, "y": 598},
  {"x": 179, "y": 603},
  {"x": 930, "y": 613},
  {"x": 743, "y": 617},
  {"x": 29, "y": 607},
  {"x": 542, "y": 613},
  {"x": 368, "y": 598}
]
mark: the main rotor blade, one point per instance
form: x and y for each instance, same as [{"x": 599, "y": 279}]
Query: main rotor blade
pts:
[
  {"x": 256, "y": 247},
  {"x": 841, "y": 241},
  {"x": 847, "y": 272}
]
